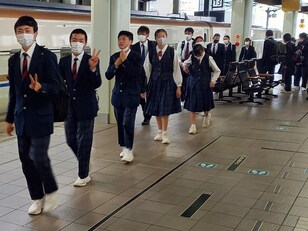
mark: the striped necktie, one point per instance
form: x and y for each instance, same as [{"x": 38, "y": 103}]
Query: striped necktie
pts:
[
  {"x": 74, "y": 70},
  {"x": 25, "y": 71}
]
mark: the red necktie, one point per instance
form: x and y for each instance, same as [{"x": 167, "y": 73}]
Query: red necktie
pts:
[
  {"x": 25, "y": 71},
  {"x": 187, "y": 51},
  {"x": 74, "y": 70},
  {"x": 159, "y": 54}
]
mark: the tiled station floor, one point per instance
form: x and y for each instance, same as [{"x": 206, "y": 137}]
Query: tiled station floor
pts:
[{"x": 267, "y": 189}]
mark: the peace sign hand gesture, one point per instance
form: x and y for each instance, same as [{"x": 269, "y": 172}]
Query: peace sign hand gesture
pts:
[
  {"x": 34, "y": 85},
  {"x": 93, "y": 61}
]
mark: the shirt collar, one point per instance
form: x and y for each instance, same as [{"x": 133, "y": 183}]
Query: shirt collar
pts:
[
  {"x": 78, "y": 56},
  {"x": 29, "y": 51},
  {"x": 145, "y": 43},
  {"x": 163, "y": 50}
]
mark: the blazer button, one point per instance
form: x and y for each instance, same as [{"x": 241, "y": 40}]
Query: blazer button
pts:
[
  {"x": 74, "y": 98},
  {"x": 120, "y": 90},
  {"x": 74, "y": 89},
  {"x": 24, "y": 108},
  {"x": 121, "y": 83},
  {"x": 25, "y": 95}
]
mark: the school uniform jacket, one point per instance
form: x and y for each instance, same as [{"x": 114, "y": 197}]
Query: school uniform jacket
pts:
[
  {"x": 128, "y": 84},
  {"x": 31, "y": 111},
  {"x": 247, "y": 54},
  {"x": 83, "y": 104},
  {"x": 219, "y": 56}
]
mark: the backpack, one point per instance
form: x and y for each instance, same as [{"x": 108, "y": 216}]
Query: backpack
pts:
[
  {"x": 183, "y": 44},
  {"x": 279, "y": 52}
]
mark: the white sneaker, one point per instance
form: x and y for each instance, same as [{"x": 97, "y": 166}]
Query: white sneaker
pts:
[
  {"x": 128, "y": 156},
  {"x": 202, "y": 113},
  {"x": 50, "y": 202},
  {"x": 270, "y": 91},
  {"x": 36, "y": 207},
  {"x": 158, "y": 136},
  {"x": 296, "y": 88},
  {"x": 165, "y": 139},
  {"x": 284, "y": 91},
  {"x": 192, "y": 129},
  {"x": 82, "y": 182},
  {"x": 206, "y": 120},
  {"x": 123, "y": 151},
  {"x": 304, "y": 89}
]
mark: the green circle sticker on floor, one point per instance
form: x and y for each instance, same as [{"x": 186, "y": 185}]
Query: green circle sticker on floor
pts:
[
  {"x": 258, "y": 172},
  {"x": 206, "y": 165}
]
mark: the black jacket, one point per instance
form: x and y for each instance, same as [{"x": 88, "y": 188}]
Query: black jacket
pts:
[{"x": 247, "y": 54}]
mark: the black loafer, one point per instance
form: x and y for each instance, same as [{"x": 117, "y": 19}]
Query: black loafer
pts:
[{"x": 145, "y": 122}]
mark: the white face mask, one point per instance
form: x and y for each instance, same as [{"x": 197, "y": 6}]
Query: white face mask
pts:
[
  {"x": 188, "y": 37},
  {"x": 226, "y": 41},
  {"x": 142, "y": 38},
  {"x": 246, "y": 43},
  {"x": 162, "y": 41},
  {"x": 77, "y": 47},
  {"x": 25, "y": 40},
  {"x": 201, "y": 43}
]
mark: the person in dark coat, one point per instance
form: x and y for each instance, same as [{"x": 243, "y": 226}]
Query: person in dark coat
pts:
[
  {"x": 34, "y": 78},
  {"x": 143, "y": 47},
  {"x": 217, "y": 51},
  {"x": 165, "y": 79},
  {"x": 298, "y": 75},
  {"x": 230, "y": 54},
  {"x": 248, "y": 51},
  {"x": 126, "y": 67},
  {"x": 81, "y": 74},
  {"x": 199, "y": 95},
  {"x": 288, "y": 64}
]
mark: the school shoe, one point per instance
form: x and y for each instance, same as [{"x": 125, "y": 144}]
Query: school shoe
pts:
[
  {"x": 36, "y": 207},
  {"x": 50, "y": 202},
  {"x": 128, "y": 156},
  {"x": 304, "y": 89},
  {"x": 165, "y": 139},
  {"x": 145, "y": 122},
  {"x": 123, "y": 152},
  {"x": 206, "y": 120},
  {"x": 284, "y": 91},
  {"x": 158, "y": 136},
  {"x": 295, "y": 88},
  {"x": 82, "y": 182},
  {"x": 192, "y": 129}
]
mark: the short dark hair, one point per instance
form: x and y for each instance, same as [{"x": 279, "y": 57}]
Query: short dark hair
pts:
[
  {"x": 26, "y": 21},
  {"x": 127, "y": 34},
  {"x": 216, "y": 35},
  {"x": 287, "y": 37},
  {"x": 143, "y": 29},
  {"x": 198, "y": 37},
  {"x": 79, "y": 31},
  {"x": 303, "y": 35},
  {"x": 269, "y": 33},
  {"x": 197, "y": 49},
  {"x": 160, "y": 30},
  {"x": 189, "y": 29},
  {"x": 227, "y": 36},
  {"x": 247, "y": 40}
]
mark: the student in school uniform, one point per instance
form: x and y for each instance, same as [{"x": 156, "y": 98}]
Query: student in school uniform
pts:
[
  {"x": 126, "y": 67},
  {"x": 34, "y": 78},
  {"x": 230, "y": 54},
  {"x": 164, "y": 86},
  {"x": 81, "y": 74},
  {"x": 199, "y": 96},
  {"x": 248, "y": 51},
  {"x": 217, "y": 51},
  {"x": 142, "y": 47}
]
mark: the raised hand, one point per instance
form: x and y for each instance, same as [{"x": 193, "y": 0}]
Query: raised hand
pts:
[
  {"x": 123, "y": 55},
  {"x": 34, "y": 85},
  {"x": 93, "y": 61}
]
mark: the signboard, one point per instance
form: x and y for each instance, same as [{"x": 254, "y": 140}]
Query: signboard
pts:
[{"x": 217, "y": 3}]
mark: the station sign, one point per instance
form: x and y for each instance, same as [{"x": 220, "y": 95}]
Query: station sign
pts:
[{"x": 217, "y": 3}]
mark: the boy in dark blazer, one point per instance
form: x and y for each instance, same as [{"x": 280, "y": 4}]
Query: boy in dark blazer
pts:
[
  {"x": 217, "y": 51},
  {"x": 230, "y": 54},
  {"x": 143, "y": 47},
  {"x": 81, "y": 74},
  {"x": 126, "y": 67},
  {"x": 34, "y": 77}
]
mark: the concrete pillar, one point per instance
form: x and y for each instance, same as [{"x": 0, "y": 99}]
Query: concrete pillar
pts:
[
  {"x": 241, "y": 20},
  {"x": 135, "y": 5},
  {"x": 108, "y": 17},
  {"x": 73, "y": 2},
  {"x": 289, "y": 22},
  {"x": 176, "y": 7}
]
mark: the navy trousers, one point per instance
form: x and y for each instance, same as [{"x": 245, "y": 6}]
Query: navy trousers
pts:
[
  {"x": 36, "y": 165},
  {"x": 125, "y": 117},
  {"x": 79, "y": 137}
]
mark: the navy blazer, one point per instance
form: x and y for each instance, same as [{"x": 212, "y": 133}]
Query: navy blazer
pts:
[
  {"x": 230, "y": 53},
  {"x": 247, "y": 54},
  {"x": 127, "y": 87},
  {"x": 268, "y": 52},
  {"x": 83, "y": 100},
  {"x": 219, "y": 56},
  {"x": 31, "y": 111}
]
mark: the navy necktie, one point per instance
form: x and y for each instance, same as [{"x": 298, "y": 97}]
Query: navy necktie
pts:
[{"x": 143, "y": 52}]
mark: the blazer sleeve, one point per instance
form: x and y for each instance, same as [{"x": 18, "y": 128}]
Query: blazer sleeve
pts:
[
  {"x": 253, "y": 53},
  {"x": 241, "y": 54},
  {"x": 233, "y": 53},
  {"x": 95, "y": 77},
  {"x": 111, "y": 70},
  {"x": 12, "y": 95},
  {"x": 134, "y": 65}
]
